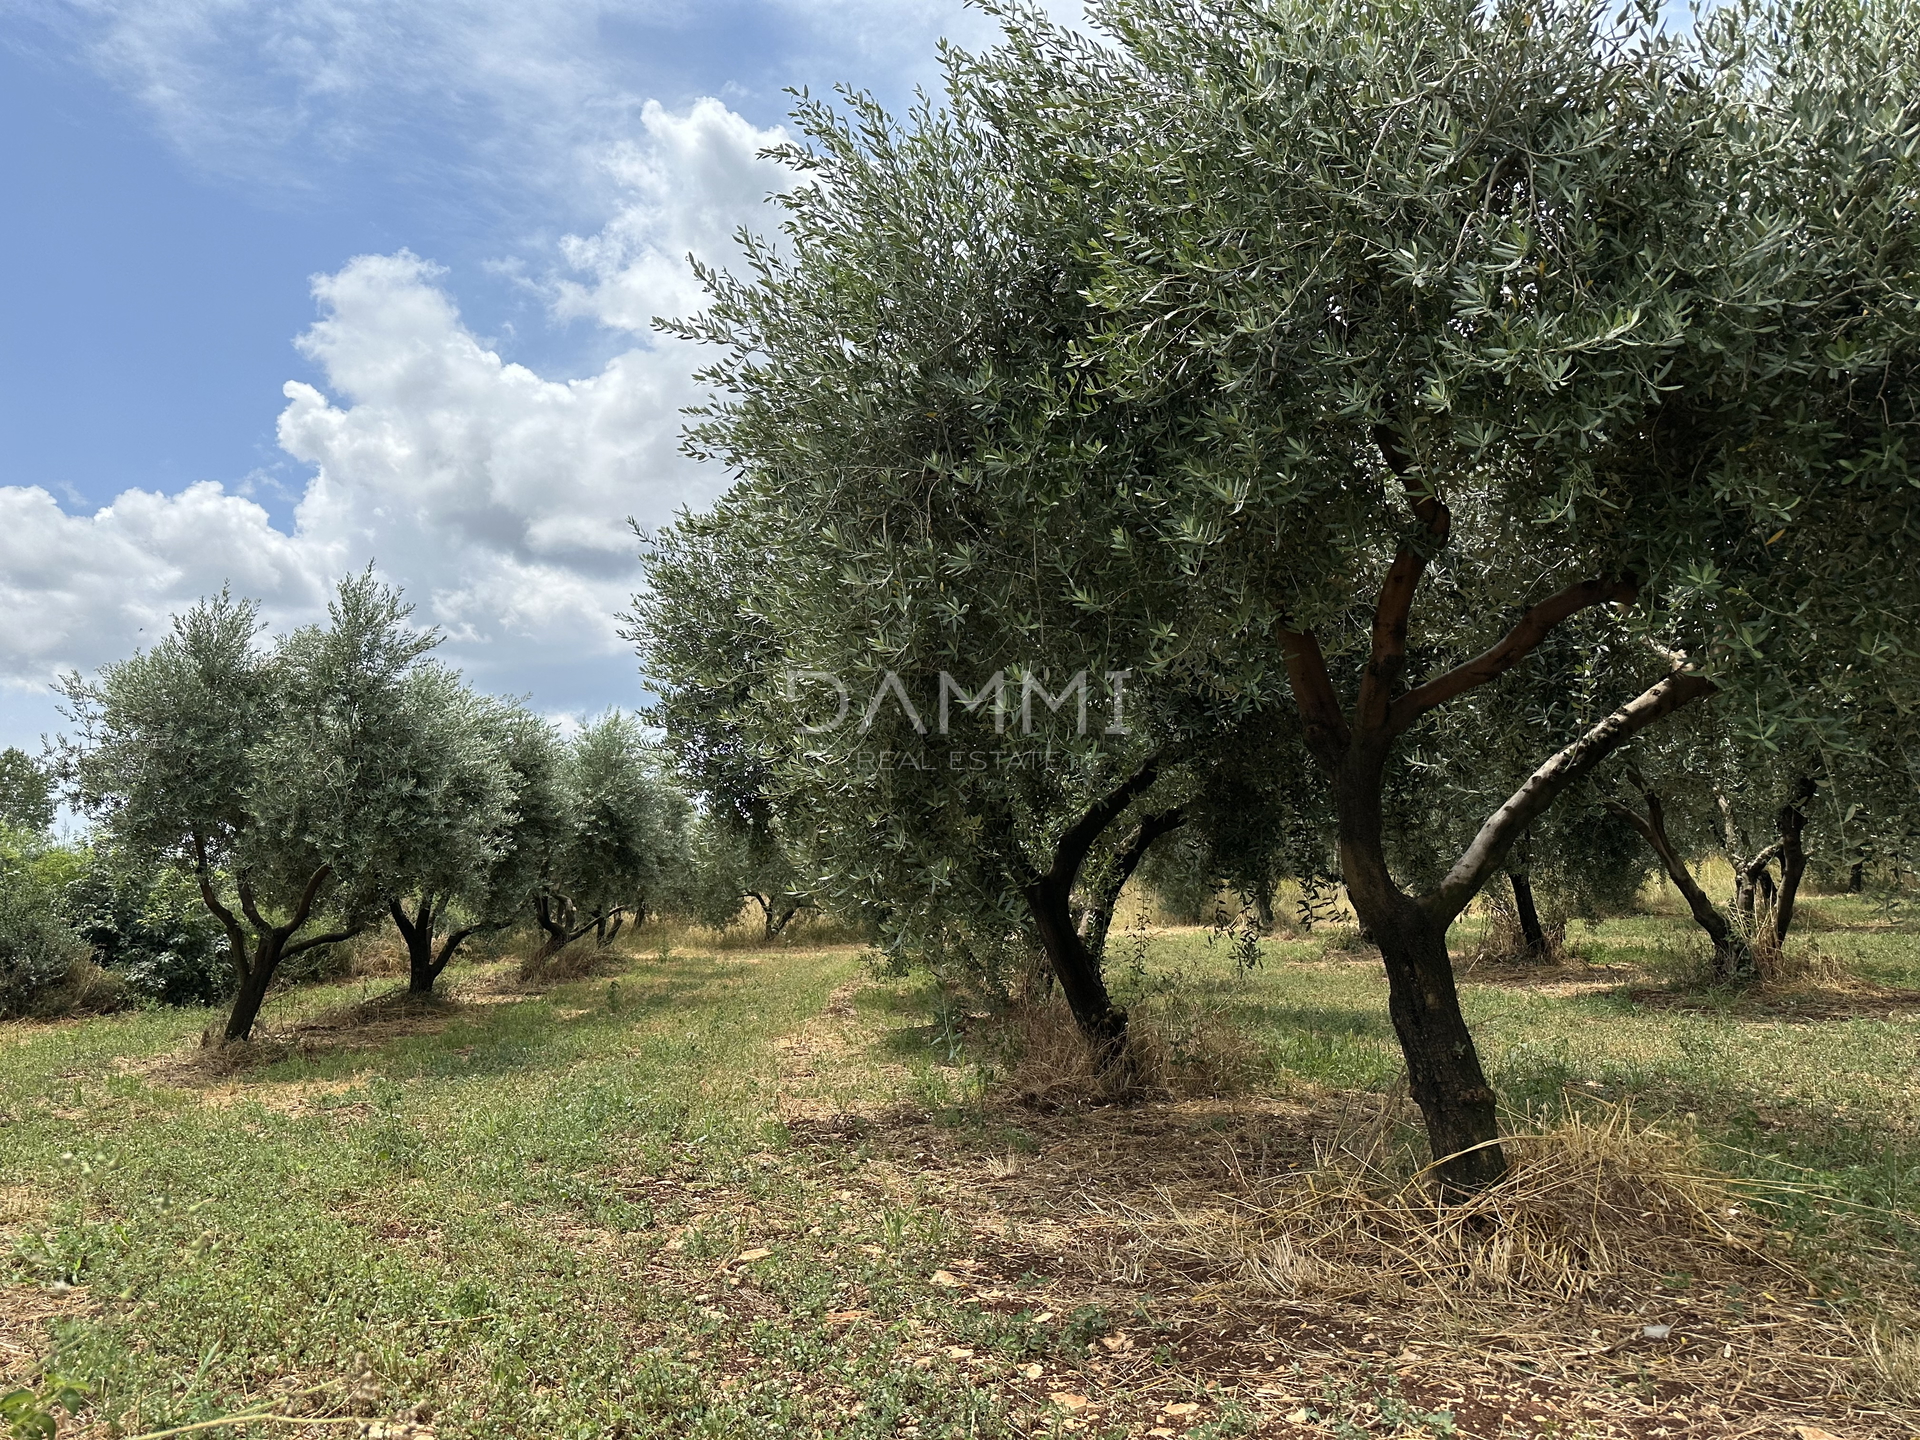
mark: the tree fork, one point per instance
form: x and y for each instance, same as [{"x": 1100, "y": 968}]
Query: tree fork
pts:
[
  {"x": 1049, "y": 899},
  {"x": 1732, "y": 955},
  {"x": 252, "y": 993},
  {"x": 417, "y": 935},
  {"x": 1077, "y": 970},
  {"x": 1442, "y": 1065},
  {"x": 1097, "y": 921},
  {"x": 255, "y": 965}
]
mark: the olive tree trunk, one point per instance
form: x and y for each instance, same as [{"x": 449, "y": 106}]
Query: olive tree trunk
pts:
[
  {"x": 1733, "y": 961},
  {"x": 1353, "y": 746},
  {"x": 1792, "y": 824},
  {"x": 256, "y": 947},
  {"x": 418, "y": 930},
  {"x": 777, "y": 911},
  {"x": 1049, "y": 896},
  {"x": 1531, "y": 930}
]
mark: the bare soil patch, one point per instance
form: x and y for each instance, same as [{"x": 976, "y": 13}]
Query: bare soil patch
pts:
[
  {"x": 1227, "y": 1275},
  {"x": 1567, "y": 977},
  {"x": 816, "y": 1061}
]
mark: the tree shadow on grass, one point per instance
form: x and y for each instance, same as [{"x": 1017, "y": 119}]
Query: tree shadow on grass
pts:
[
  {"x": 488, "y": 1029},
  {"x": 1799, "y": 1004}
]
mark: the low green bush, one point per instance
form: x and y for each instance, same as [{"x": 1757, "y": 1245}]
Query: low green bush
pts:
[
  {"x": 38, "y": 950},
  {"x": 147, "y": 925}
]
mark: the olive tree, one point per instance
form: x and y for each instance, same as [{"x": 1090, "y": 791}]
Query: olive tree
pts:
[
  {"x": 1697, "y": 792},
  {"x": 1474, "y": 314},
  {"x": 1345, "y": 355},
  {"x": 730, "y": 866},
  {"x": 695, "y": 637},
  {"x": 478, "y": 767},
  {"x": 1770, "y": 805},
  {"x": 26, "y": 792},
  {"x": 279, "y": 777},
  {"x": 934, "y": 515},
  {"x": 618, "y": 843}
]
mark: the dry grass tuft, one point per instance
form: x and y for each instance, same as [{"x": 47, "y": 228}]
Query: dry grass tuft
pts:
[
  {"x": 1180, "y": 1049},
  {"x": 86, "y": 989},
  {"x": 577, "y": 961},
  {"x": 1605, "y": 1236},
  {"x": 1503, "y": 942},
  {"x": 1589, "y": 1208},
  {"x": 377, "y": 954},
  {"x": 1795, "y": 965},
  {"x": 1893, "y": 1355},
  {"x": 1052, "y": 1066}
]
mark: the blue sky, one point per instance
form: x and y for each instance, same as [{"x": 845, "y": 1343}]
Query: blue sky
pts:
[{"x": 294, "y": 286}]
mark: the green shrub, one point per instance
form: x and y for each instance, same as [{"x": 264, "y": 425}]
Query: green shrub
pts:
[
  {"x": 38, "y": 951},
  {"x": 147, "y": 925}
]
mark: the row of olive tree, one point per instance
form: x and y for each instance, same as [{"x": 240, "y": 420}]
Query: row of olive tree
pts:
[
  {"x": 1319, "y": 370},
  {"x": 311, "y": 785}
]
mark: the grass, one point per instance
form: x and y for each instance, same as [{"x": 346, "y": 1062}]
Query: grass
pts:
[{"x": 726, "y": 1191}]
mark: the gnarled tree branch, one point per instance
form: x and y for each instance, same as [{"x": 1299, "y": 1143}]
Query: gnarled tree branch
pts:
[
  {"x": 1534, "y": 625},
  {"x": 1071, "y": 851},
  {"x": 1540, "y": 789}
]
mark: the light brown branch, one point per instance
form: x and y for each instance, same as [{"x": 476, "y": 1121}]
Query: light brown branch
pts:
[{"x": 1541, "y": 788}]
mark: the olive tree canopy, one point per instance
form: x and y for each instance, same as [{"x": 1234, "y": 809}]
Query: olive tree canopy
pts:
[
  {"x": 1333, "y": 357},
  {"x": 26, "y": 792},
  {"x": 615, "y": 845},
  {"x": 285, "y": 778}
]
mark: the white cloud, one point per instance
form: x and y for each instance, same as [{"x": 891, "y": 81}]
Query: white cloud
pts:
[
  {"x": 79, "y": 590},
  {"x": 695, "y": 181},
  {"x": 496, "y": 497},
  {"x": 884, "y": 33}
]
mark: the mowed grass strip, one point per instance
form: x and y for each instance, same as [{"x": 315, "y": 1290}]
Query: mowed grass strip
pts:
[
  {"x": 739, "y": 1193},
  {"x": 461, "y": 1226}
]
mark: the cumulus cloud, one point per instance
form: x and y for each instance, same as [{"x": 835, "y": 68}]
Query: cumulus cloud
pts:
[
  {"x": 689, "y": 186},
  {"x": 498, "y": 498},
  {"x": 79, "y": 590}
]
